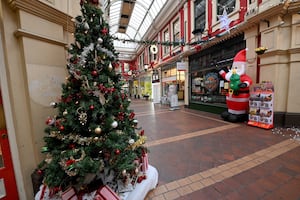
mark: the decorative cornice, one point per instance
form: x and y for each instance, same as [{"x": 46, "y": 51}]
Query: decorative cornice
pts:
[
  {"x": 293, "y": 7},
  {"x": 28, "y": 34},
  {"x": 44, "y": 11}
]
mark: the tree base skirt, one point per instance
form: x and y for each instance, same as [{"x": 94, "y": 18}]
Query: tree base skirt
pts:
[{"x": 139, "y": 192}]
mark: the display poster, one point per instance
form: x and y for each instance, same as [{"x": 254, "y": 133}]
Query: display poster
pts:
[{"x": 261, "y": 105}]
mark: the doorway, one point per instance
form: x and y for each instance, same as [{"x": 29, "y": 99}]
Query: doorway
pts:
[{"x": 8, "y": 186}]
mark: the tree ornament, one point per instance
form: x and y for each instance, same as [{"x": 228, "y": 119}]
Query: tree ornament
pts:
[
  {"x": 117, "y": 151},
  {"x": 94, "y": 73},
  {"x": 61, "y": 128},
  {"x": 104, "y": 31},
  {"x": 78, "y": 45},
  {"x": 135, "y": 122},
  {"x": 100, "y": 40},
  {"x": 142, "y": 132},
  {"x": 98, "y": 130},
  {"x": 131, "y": 141},
  {"x": 92, "y": 107},
  {"x": 86, "y": 26},
  {"x": 53, "y": 104},
  {"x": 124, "y": 172},
  {"x": 131, "y": 115},
  {"x": 50, "y": 121},
  {"x": 114, "y": 124},
  {"x": 40, "y": 172},
  {"x": 65, "y": 113},
  {"x": 110, "y": 67},
  {"x": 82, "y": 116}
]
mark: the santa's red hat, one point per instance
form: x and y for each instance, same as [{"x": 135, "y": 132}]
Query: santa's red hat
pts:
[{"x": 240, "y": 56}]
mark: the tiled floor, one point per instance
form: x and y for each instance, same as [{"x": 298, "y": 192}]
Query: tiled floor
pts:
[{"x": 200, "y": 156}]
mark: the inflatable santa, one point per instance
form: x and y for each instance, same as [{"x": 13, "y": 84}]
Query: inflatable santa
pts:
[{"x": 237, "y": 98}]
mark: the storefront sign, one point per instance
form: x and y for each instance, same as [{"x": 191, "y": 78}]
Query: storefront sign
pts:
[
  {"x": 182, "y": 66},
  {"x": 211, "y": 81}
]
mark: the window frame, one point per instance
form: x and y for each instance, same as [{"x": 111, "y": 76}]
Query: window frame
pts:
[
  {"x": 176, "y": 32},
  {"x": 166, "y": 39}
]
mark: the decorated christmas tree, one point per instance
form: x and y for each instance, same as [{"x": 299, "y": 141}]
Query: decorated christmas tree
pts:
[{"x": 93, "y": 139}]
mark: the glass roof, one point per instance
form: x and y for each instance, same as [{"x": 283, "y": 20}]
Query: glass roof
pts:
[{"x": 140, "y": 15}]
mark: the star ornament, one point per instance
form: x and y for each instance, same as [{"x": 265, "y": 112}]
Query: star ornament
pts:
[
  {"x": 224, "y": 20},
  {"x": 104, "y": 31}
]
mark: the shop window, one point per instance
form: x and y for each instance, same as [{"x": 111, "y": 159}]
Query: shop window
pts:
[
  {"x": 229, "y": 5},
  {"x": 208, "y": 87},
  {"x": 200, "y": 15},
  {"x": 176, "y": 32}
]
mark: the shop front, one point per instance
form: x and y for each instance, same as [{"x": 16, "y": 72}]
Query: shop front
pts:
[
  {"x": 173, "y": 79},
  {"x": 207, "y": 88}
]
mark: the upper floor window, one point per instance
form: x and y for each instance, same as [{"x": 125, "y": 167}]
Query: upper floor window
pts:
[
  {"x": 200, "y": 15},
  {"x": 176, "y": 31},
  {"x": 166, "y": 39},
  {"x": 227, "y": 5}
]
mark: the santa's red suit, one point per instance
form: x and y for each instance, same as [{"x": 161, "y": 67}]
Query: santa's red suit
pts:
[{"x": 237, "y": 100}]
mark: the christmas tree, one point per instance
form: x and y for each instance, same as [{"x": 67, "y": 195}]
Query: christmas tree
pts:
[{"x": 93, "y": 139}]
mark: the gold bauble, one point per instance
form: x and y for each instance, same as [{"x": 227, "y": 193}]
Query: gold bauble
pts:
[{"x": 98, "y": 130}]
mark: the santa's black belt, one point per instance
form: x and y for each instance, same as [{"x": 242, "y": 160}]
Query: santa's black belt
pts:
[
  {"x": 240, "y": 92},
  {"x": 243, "y": 91}
]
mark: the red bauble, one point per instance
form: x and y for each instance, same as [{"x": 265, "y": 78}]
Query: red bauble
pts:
[
  {"x": 49, "y": 121},
  {"x": 117, "y": 151},
  {"x": 61, "y": 128},
  {"x": 94, "y": 73},
  {"x": 92, "y": 107},
  {"x": 40, "y": 172}
]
